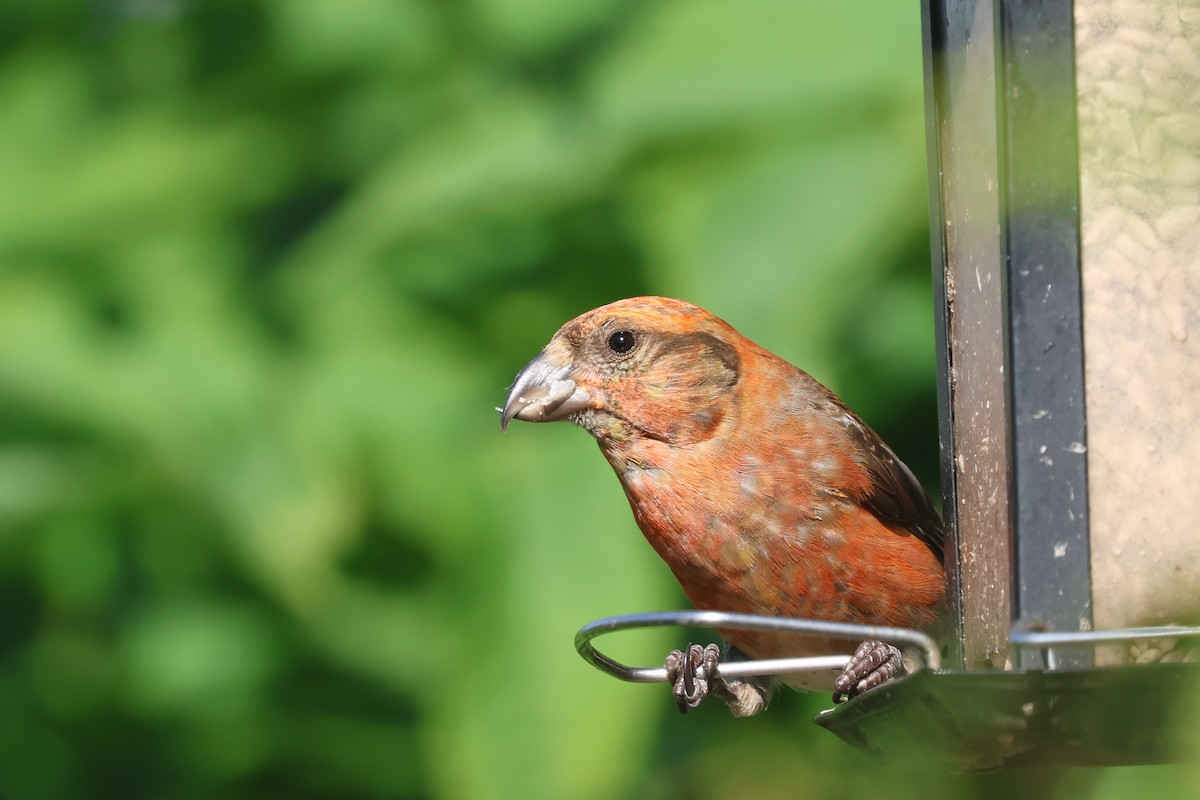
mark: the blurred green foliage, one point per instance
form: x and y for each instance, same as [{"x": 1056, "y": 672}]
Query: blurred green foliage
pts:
[{"x": 266, "y": 268}]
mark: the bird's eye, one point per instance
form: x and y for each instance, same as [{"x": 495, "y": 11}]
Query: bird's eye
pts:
[{"x": 621, "y": 342}]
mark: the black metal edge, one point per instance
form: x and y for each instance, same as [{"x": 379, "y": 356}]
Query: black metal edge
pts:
[
  {"x": 933, "y": 47},
  {"x": 1039, "y": 169}
]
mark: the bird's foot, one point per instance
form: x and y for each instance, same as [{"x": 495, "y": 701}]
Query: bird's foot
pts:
[
  {"x": 873, "y": 664},
  {"x": 691, "y": 673},
  {"x": 693, "y": 677}
]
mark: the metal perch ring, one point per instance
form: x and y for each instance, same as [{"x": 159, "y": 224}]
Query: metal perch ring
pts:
[{"x": 756, "y": 622}]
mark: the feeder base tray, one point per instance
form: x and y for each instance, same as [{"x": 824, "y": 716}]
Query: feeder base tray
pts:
[{"x": 979, "y": 721}]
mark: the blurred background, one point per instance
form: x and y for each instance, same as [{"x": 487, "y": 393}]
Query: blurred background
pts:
[{"x": 266, "y": 269}]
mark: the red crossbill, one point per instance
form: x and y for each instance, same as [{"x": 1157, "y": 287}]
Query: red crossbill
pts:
[{"x": 759, "y": 488}]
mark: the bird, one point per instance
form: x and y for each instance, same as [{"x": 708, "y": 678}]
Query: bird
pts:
[{"x": 760, "y": 489}]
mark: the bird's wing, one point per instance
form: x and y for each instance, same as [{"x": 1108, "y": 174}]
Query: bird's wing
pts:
[{"x": 896, "y": 496}]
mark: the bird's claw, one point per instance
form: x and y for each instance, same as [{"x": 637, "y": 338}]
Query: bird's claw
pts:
[
  {"x": 692, "y": 673},
  {"x": 873, "y": 664}
]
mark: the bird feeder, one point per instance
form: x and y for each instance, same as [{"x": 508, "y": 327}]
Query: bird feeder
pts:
[
  {"x": 1064, "y": 174},
  {"x": 1064, "y": 155}
]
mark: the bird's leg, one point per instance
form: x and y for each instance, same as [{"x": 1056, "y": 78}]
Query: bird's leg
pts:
[
  {"x": 692, "y": 674},
  {"x": 873, "y": 664}
]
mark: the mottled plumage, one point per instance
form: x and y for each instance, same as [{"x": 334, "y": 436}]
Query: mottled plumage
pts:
[{"x": 755, "y": 483}]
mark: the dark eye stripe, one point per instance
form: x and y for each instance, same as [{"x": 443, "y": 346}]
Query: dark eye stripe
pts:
[{"x": 707, "y": 344}]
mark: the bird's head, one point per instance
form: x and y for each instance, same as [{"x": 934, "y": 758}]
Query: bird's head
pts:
[{"x": 643, "y": 367}]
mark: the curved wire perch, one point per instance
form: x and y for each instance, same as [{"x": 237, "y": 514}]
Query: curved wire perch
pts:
[
  {"x": 1051, "y": 641},
  {"x": 757, "y": 622},
  {"x": 1088, "y": 638}
]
